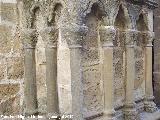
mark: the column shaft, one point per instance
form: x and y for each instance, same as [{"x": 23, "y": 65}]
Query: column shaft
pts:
[
  {"x": 50, "y": 37},
  {"x": 76, "y": 78},
  {"x": 51, "y": 80},
  {"x": 130, "y": 112},
  {"x": 107, "y": 36},
  {"x": 30, "y": 90},
  {"x": 130, "y": 74},
  {"x": 150, "y": 106},
  {"x": 149, "y": 90},
  {"x": 73, "y": 35},
  {"x": 108, "y": 80}
]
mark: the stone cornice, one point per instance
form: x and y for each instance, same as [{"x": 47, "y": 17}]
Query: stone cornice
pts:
[{"x": 151, "y": 4}]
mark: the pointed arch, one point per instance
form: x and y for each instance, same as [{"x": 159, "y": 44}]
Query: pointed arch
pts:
[
  {"x": 91, "y": 55},
  {"x": 34, "y": 13},
  {"x": 122, "y": 19},
  {"x": 54, "y": 13},
  {"x": 95, "y": 9},
  {"x": 141, "y": 23}
]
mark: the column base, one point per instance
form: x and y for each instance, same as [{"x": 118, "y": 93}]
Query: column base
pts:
[
  {"x": 149, "y": 105},
  {"x": 109, "y": 115},
  {"x": 130, "y": 112},
  {"x": 31, "y": 112}
]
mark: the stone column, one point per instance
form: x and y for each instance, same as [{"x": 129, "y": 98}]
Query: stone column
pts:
[
  {"x": 129, "y": 108},
  {"x": 50, "y": 37},
  {"x": 29, "y": 39},
  {"x": 73, "y": 35},
  {"x": 107, "y": 36},
  {"x": 150, "y": 106}
]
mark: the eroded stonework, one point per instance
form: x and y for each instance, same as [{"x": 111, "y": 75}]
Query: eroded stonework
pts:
[{"x": 88, "y": 58}]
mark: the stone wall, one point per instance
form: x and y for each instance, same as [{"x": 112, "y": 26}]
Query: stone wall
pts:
[
  {"x": 11, "y": 60},
  {"x": 156, "y": 74}
]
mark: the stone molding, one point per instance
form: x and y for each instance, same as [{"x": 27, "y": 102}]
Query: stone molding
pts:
[{"x": 148, "y": 37}]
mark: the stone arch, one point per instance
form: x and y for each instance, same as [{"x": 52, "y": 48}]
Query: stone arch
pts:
[
  {"x": 35, "y": 12},
  {"x": 141, "y": 27},
  {"x": 54, "y": 13},
  {"x": 122, "y": 23},
  {"x": 50, "y": 35},
  {"x": 38, "y": 24},
  {"x": 29, "y": 37},
  {"x": 122, "y": 19},
  {"x": 90, "y": 5},
  {"x": 91, "y": 62},
  {"x": 141, "y": 23},
  {"x": 95, "y": 9}
]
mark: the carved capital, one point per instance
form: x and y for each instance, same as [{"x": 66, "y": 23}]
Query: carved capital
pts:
[
  {"x": 74, "y": 34},
  {"x": 107, "y": 35},
  {"x": 29, "y": 38},
  {"x": 50, "y": 36},
  {"x": 130, "y": 36},
  {"x": 148, "y": 38}
]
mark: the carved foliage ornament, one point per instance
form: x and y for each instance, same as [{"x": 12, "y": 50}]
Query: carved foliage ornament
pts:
[
  {"x": 107, "y": 34},
  {"x": 50, "y": 36},
  {"x": 148, "y": 37},
  {"x": 29, "y": 38},
  {"x": 74, "y": 34},
  {"x": 130, "y": 37}
]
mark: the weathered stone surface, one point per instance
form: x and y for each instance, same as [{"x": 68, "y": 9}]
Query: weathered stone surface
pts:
[
  {"x": 11, "y": 60},
  {"x": 91, "y": 68},
  {"x": 10, "y": 106},
  {"x": 2, "y": 71},
  {"x": 80, "y": 84},
  {"x": 8, "y": 90},
  {"x": 156, "y": 52},
  {"x": 5, "y": 39},
  {"x": 9, "y": 12},
  {"x": 15, "y": 69}
]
